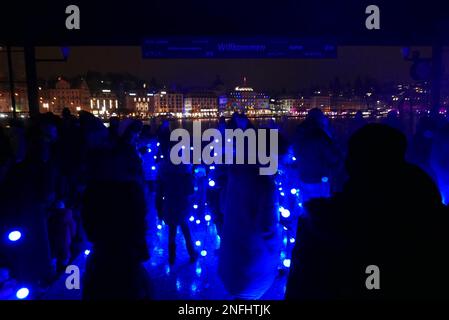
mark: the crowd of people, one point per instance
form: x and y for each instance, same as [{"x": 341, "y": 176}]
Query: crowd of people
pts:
[{"x": 375, "y": 197}]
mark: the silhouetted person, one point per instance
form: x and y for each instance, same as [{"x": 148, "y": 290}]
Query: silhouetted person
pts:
[
  {"x": 176, "y": 186},
  {"x": 114, "y": 220},
  {"x": 389, "y": 215},
  {"x": 439, "y": 161},
  {"x": 250, "y": 241}
]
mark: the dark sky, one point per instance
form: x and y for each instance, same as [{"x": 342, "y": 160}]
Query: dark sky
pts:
[{"x": 382, "y": 63}]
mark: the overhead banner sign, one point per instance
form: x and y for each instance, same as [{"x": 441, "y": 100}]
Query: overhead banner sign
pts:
[{"x": 238, "y": 48}]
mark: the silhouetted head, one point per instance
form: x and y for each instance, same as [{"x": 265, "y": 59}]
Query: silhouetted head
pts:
[
  {"x": 66, "y": 113},
  {"x": 374, "y": 150}
]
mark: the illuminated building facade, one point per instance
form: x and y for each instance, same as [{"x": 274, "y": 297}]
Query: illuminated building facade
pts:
[
  {"x": 64, "y": 95},
  {"x": 168, "y": 103},
  {"x": 104, "y": 103},
  {"x": 202, "y": 104},
  {"x": 245, "y": 99}
]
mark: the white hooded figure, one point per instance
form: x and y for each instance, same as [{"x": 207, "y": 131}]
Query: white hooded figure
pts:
[{"x": 251, "y": 239}]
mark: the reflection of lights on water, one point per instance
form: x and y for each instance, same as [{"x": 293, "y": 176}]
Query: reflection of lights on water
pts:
[
  {"x": 207, "y": 217},
  {"x": 22, "y": 293},
  {"x": 286, "y": 263},
  {"x": 203, "y": 253}
]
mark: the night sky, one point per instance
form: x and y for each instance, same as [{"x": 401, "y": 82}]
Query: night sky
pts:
[{"x": 384, "y": 64}]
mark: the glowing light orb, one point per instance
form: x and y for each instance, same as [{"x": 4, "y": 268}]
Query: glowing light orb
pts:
[
  {"x": 294, "y": 158},
  {"x": 198, "y": 271},
  {"x": 195, "y": 206},
  {"x": 207, "y": 217},
  {"x": 212, "y": 167},
  {"x": 191, "y": 148},
  {"x": 158, "y": 144},
  {"x": 162, "y": 156},
  {"x": 155, "y": 157},
  {"x": 86, "y": 252},
  {"x": 197, "y": 243},
  {"x": 192, "y": 218},
  {"x": 212, "y": 183},
  {"x": 153, "y": 168},
  {"x": 149, "y": 150},
  {"x": 217, "y": 141},
  {"x": 287, "y": 263},
  {"x": 285, "y": 213},
  {"x": 183, "y": 147},
  {"x": 229, "y": 140},
  {"x": 198, "y": 221},
  {"x": 280, "y": 189},
  {"x": 324, "y": 179},
  {"x": 211, "y": 147},
  {"x": 22, "y": 293},
  {"x": 282, "y": 194},
  {"x": 15, "y": 235},
  {"x": 203, "y": 253},
  {"x": 293, "y": 191},
  {"x": 292, "y": 240},
  {"x": 159, "y": 227}
]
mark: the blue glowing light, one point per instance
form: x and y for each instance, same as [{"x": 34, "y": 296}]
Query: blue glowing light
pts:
[
  {"x": 191, "y": 148},
  {"x": 158, "y": 144},
  {"x": 162, "y": 156},
  {"x": 287, "y": 263},
  {"x": 203, "y": 253},
  {"x": 183, "y": 147},
  {"x": 212, "y": 183},
  {"x": 195, "y": 206},
  {"x": 194, "y": 287},
  {"x": 293, "y": 191},
  {"x": 324, "y": 179},
  {"x": 198, "y": 221},
  {"x": 285, "y": 213},
  {"x": 292, "y": 240},
  {"x": 282, "y": 194},
  {"x": 192, "y": 218},
  {"x": 22, "y": 293},
  {"x": 155, "y": 157},
  {"x": 159, "y": 227},
  {"x": 294, "y": 158},
  {"x": 217, "y": 141},
  {"x": 280, "y": 189},
  {"x": 86, "y": 252},
  {"x": 198, "y": 271},
  {"x": 153, "y": 168},
  {"x": 212, "y": 167},
  {"x": 15, "y": 235},
  {"x": 229, "y": 140},
  {"x": 197, "y": 243},
  {"x": 211, "y": 147},
  {"x": 149, "y": 150},
  {"x": 207, "y": 217}
]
